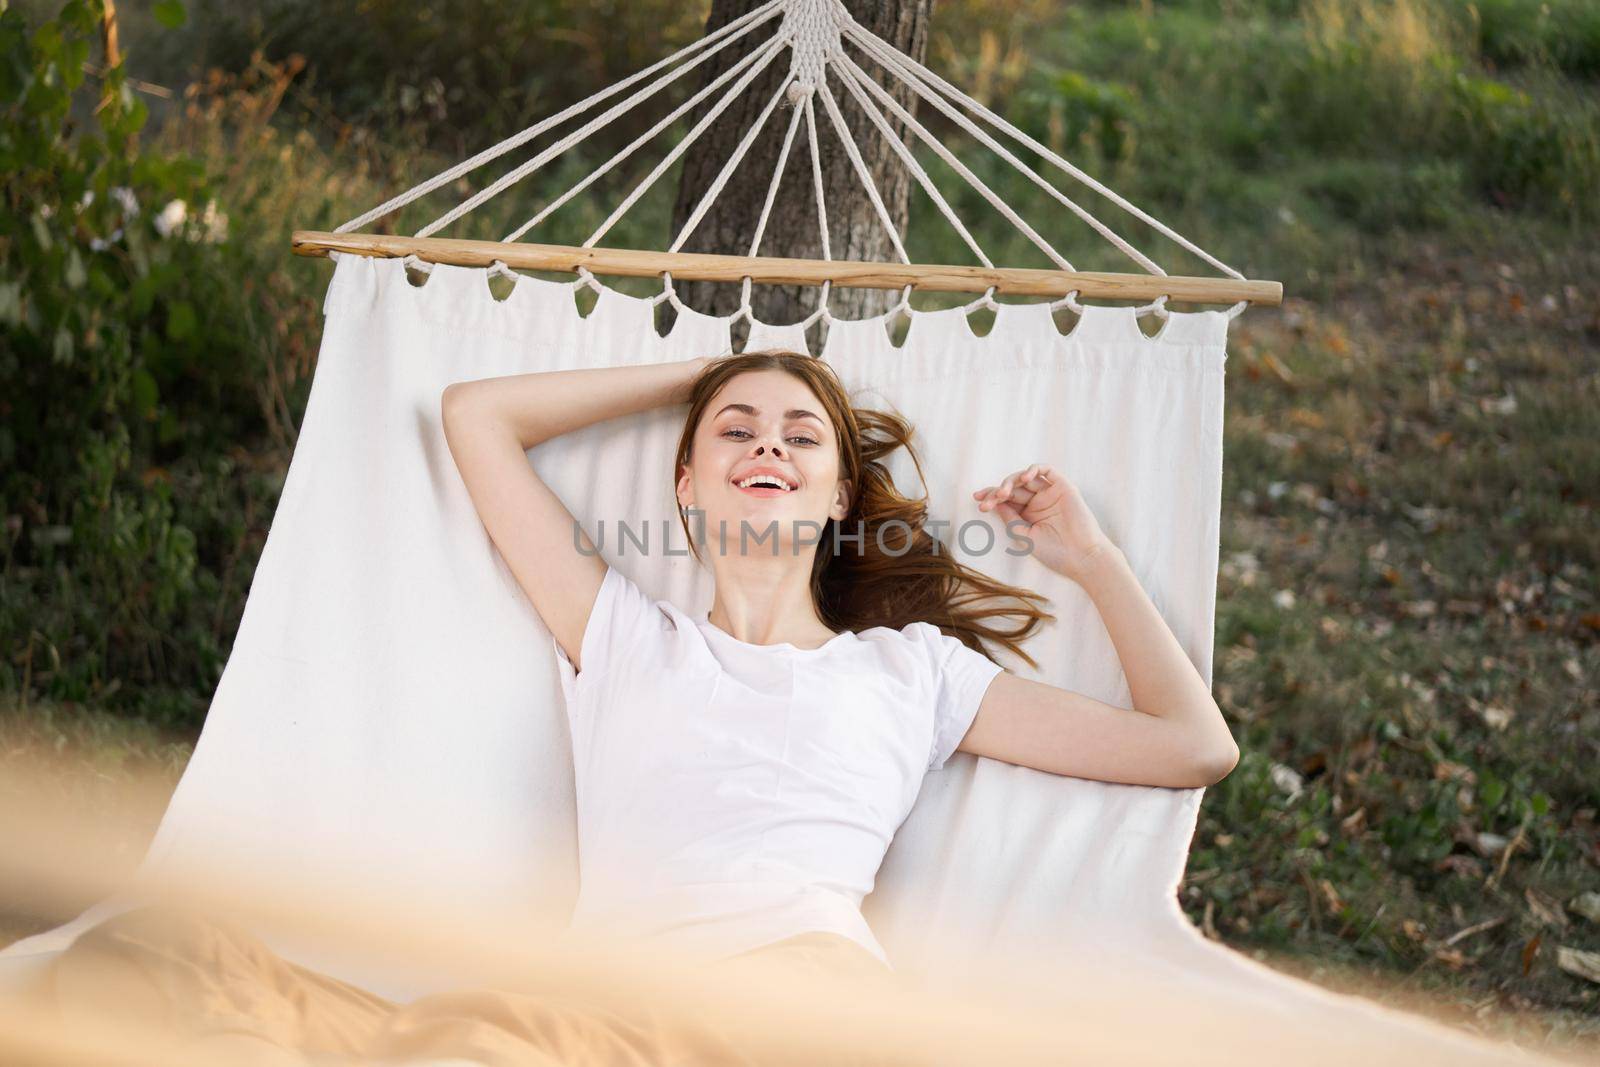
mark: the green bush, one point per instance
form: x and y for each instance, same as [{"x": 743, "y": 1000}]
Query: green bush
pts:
[
  {"x": 1527, "y": 149},
  {"x": 1562, "y": 33},
  {"x": 459, "y": 73},
  {"x": 120, "y": 384},
  {"x": 1338, "y": 101},
  {"x": 1379, "y": 196}
]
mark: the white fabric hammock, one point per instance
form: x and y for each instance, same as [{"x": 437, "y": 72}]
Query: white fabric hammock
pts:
[{"x": 392, "y": 710}]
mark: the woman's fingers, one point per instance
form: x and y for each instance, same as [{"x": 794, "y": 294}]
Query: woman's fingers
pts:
[
  {"x": 1039, "y": 476},
  {"x": 1018, "y": 488}
]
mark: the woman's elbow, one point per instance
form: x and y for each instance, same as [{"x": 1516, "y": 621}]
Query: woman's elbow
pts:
[
  {"x": 454, "y": 402},
  {"x": 450, "y": 398},
  {"x": 1220, "y": 766}
]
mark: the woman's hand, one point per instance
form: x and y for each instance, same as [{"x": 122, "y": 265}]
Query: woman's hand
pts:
[
  {"x": 1066, "y": 536},
  {"x": 691, "y": 370}
]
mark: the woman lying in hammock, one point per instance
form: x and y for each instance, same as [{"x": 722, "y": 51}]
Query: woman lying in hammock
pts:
[
  {"x": 741, "y": 773},
  {"x": 755, "y": 761}
]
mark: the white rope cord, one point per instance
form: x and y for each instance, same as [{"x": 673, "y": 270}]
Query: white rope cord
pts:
[
  {"x": 690, "y": 137},
  {"x": 900, "y": 64},
  {"x": 886, "y": 57},
  {"x": 805, "y": 93},
  {"x": 904, "y": 304},
  {"x": 777, "y": 178},
  {"x": 797, "y": 96},
  {"x": 821, "y": 216},
  {"x": 815, "y": 31},
  {"x": 854, "y": 153},
  {"x": 732, "y": 164},
  {"x": 816, "y": 177},
  {"x": 628, "y": 151},
  {"x": 849, "y": 67},
  {"x": 822, "y": 310},
  {"x": 725, "y": 35},
  {"x": 511, "y": 178},
  {"x": 987, "y": 300},
  {"x": 911, "y": 163},
  {"x": 916, "y": 71},
  {"x": 636, "y": 143}
]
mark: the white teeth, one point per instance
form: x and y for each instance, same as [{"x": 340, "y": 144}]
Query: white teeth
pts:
[{"x": 763, "y": 479}]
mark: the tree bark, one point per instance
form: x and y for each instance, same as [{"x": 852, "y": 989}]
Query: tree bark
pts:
[{"x": 854, "y": 229}]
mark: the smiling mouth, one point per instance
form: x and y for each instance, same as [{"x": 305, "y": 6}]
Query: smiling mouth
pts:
[{"x": 764, "y": 485}]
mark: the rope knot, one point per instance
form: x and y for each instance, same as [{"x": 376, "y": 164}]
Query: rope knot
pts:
[{"x": 814, "y": 37}]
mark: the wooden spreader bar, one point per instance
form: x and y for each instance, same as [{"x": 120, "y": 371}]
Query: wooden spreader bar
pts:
[{"x": 854, "y": 274}]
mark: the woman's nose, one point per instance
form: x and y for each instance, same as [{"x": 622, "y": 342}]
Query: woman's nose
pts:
[{"x": 762, "y": 448}]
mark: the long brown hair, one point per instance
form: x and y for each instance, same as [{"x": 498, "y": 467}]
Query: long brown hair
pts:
[{"x": 856, "y": 590}]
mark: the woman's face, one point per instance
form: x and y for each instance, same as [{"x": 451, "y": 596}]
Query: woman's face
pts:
[{"x": 769, "y": 422}]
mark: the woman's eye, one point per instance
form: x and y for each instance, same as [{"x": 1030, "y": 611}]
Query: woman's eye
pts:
[{"x": 744, "y": 433}]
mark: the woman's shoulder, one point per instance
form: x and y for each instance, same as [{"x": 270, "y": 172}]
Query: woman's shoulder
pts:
[
  {"x": 926, "y": 644},
  {"x": 920, "y": 642},
  {"x": 911, "y": 633},
  {"x": 626, "y": 604}
]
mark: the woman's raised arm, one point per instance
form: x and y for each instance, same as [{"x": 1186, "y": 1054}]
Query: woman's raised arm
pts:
[
  {"x": 1174, "y": 735},
  {"x": 491, "y": 423}
]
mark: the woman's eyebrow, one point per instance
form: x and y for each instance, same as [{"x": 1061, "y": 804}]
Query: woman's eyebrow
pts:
[{"x": 792, "y": 413}]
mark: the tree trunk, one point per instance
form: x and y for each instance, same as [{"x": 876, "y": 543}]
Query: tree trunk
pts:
[{"x": 854, "y": 229}]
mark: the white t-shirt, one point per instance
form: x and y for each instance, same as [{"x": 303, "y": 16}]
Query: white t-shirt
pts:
[{"x": 730, "y": 795}]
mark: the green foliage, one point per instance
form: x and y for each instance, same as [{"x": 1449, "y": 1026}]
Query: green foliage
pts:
[
  {"x": 1377, "y": 113},
  {"x": 170, "y": 13},
  {"x": 461, "y": 74},
  {"x": 1523, "y": 150},
  {"x": 1381, "y": 196},
  {"x": 1561, "y": 33},
  {"x": 1083, "y": 117},
  {"x": 117, "y": 382}
]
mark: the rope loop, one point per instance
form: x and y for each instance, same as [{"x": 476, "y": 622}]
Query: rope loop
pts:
[
  {"x": 821, "y": 313},
  {"x": 416, "y": 262},
  {"x": 744, "y": 310},
  {"x": 1070, "y": 302},
  {"x": 902, "y": 306},
  {"x": 1158, "y": 306},
  {"x": 499, "y": 267},
  {"x": 586, "y": 277},
  {"x": 822, "y": 310},
  {"x": 667, "y": 292},
  {"x": 987, "y": 300}
]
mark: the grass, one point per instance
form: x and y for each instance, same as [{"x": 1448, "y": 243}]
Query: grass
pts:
[{"x": 1406, "y": 630}]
